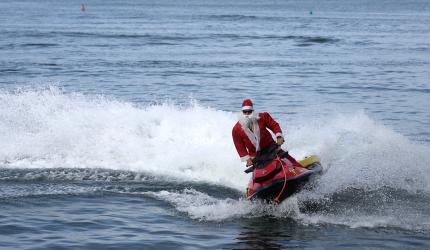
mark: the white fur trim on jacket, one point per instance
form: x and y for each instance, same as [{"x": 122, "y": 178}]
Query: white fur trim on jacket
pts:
[
  {"x": 279, "y": 134},
  {"x": 254, "y": 137},
  {"x": 245, "y": 158}
]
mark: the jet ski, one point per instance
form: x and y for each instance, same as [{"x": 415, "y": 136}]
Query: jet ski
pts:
[{"x": 276, "y": 175}]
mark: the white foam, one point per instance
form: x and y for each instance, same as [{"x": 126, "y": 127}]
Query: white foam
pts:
[
  {"x": 15, "y": 191},
  {"x": 201, "y": 206},
  {"x": 50, "y": 129},
  {"x": 360, "y": 153},
  {"x": 46, "y": 129},
  {"x": 414, "y": 222},
  {"x": 204, "y": 207}
]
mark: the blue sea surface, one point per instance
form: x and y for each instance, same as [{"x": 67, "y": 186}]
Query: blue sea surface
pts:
[{"x": 115, "y": 122}]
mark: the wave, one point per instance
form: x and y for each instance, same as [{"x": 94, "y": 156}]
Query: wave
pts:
[
  {"x": 48, "y": 135},
  {"x": 71, "y": 174},
  {"x": 375, "y": 214},
  {"x": 50, "y": 129},
  {"x": 170, "y": 39},
  {"x": 12, "y": 192},
  {"x": 236, "y": 17}
]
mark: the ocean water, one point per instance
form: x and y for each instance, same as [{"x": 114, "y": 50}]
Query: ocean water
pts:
[{"x": 115, "y": 122}]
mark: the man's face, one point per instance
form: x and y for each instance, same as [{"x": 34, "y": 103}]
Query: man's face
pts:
[{"x": 247, "y": 113}]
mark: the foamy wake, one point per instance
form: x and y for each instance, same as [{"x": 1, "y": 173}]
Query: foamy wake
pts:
[
  {"x": 48, "y": 129},
  {"x": 51, "y": 129},
  {"x": 43, "y": 189},
  {"x": 201, "y": 206}
]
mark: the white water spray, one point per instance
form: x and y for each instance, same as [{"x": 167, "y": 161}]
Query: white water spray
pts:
[{"x": 50, "y": 129}]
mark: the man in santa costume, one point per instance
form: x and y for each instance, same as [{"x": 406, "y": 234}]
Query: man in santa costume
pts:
[{"x": 250, "y": 134}]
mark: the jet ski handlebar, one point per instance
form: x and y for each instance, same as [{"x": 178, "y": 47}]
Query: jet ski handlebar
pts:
[
  {"x": 270, "y": 152},
  {"x": 250, "y": 169}
]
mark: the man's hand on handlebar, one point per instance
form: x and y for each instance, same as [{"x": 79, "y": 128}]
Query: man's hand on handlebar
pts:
[
  {"x": 280, "y": 140},
  {"x": 249, "y": 163}
]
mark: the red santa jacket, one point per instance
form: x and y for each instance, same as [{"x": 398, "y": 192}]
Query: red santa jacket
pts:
[{"x": 248, "y": 143}]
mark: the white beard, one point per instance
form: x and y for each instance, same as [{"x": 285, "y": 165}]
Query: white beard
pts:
[{"x": 247, "y": 120}]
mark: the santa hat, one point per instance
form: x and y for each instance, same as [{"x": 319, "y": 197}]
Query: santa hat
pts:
[{"x": 247, "y": 105}]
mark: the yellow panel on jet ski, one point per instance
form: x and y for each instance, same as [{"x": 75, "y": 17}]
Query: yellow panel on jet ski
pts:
[{"x": 309, "y": 160}]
